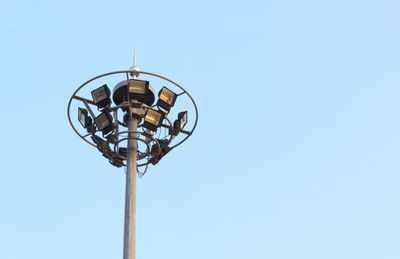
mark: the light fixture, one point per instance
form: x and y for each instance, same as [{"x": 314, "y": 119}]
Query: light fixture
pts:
[
  {"x": 166, "y": 98},
  {"x": 153, "y": 119},
  {"x": 182, "y": 120},
  {"x": 123, "y": 151},
  {"x": 101, "y": 144},
  {"x": 98, "y": 141},
  {"x": 104, "y": 122},
  {"x": 138, "y": 86},
  {"x": 104, "y": 149},
  {"x": 115, "y": 159},
  {"x": 139, "y": 90},
  {"x": 159, "y": 154},
  {"x": 179, "y": 123},
  {"x": 84, "y": 118},
  {"x": 101, "y": 96}
]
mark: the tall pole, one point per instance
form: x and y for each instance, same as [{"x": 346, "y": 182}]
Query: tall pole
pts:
[
  {"x": 137, "y": 110},
  {"x": 130, "y": 193},
  {"x": 131, "y": 172}
]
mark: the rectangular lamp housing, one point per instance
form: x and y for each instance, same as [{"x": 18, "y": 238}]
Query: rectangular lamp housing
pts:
[
  {"x": 104, "y": 123},
  {"x": 84, "y": 118},
  {"x": 166, "y": 99},
  {"x": 101, "y": 96},
  {"x": 138, "y": 86},
  {"x": 182, "y": 118},
  {"x": 153, "y": 119}
]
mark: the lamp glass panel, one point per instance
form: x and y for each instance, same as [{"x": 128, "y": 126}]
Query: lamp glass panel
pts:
[
  {"x": 100, "y": 94},
  {"x": 153, "y": 117},
  {"x": 102, "y": 121},
  {"x": 167, "y": 96},
  {"x": 183, "y": 120},
  {"x": 81, "y": 117},
  {"x": 137, "y": 86}
]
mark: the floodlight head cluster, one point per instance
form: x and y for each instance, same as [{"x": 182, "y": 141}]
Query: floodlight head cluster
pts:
[{"x": 135, "y": 99}]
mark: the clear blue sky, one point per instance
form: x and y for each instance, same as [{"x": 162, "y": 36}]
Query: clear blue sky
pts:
[{"x": 296, "y": 154}]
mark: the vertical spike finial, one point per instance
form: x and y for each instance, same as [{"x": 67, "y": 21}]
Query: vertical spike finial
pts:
[
  {"x": 134, "y": 57},
  {"x": 135, "y": 70}
]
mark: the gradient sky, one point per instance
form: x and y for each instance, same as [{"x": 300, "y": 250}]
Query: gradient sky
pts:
[{"x": 296, "y": 154}]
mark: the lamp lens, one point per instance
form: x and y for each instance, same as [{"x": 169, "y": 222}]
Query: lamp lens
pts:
[
  {"x": 183, "y": 120},
  {"x": 83, "y": 117},
  {"x": 102, "y": 121},
  {"x": 137, "y": 86},
  {"x": 153, "y": 117},
  {"x": 100, "y": 94},
  {"x": 167, "y": 96}
]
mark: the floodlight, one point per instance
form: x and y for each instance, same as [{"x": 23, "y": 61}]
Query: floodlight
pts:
[
  {"x": 116, "y": 161},
  {"x": 104, "y": 122},
  {"x": 101, "y": 145},
  {"x": 179, "y": 123},
  {"x": 101, "y": 96},
  {"x": 166, "y": 98},
  {"x": 182, "y": 119},
  {"x": 153, "y": 119},
  {"x": 139, "y": 90},
  {"x": 123, "y": 151},
  {"x": 98, "y": 141},
  {"x": 138, "y": 86},
  {"x": 164, "y": 150},
  {"x": 84, "y": 118}
]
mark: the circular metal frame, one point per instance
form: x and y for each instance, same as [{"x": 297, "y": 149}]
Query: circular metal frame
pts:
[
  {"x": 128, "y": 72},
  {"x": 139, "y": 139}
]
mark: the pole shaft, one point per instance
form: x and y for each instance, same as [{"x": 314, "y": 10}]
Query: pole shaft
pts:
[{"x": 130, "y": 194}]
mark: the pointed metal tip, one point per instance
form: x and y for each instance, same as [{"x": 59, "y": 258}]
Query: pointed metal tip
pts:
[
  {"x": 135, "y": 70},
  {"x": 134, "y": 57}
]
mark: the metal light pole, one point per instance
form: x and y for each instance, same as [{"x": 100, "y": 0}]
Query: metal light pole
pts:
[
  {"x": 130, "y": 194},
  {"x": 130, "y": 188},
  {"x": 145, "y": 123}
]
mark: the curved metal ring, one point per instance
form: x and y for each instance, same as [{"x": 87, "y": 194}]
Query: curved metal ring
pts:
[
  {"x": 132, "y": 132},
  {"x": 124, "y": 158},
  {"x": 127, "y": 72},
  {"x": 122, "y": 139},
  {"x": 147, "y": 144}
]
